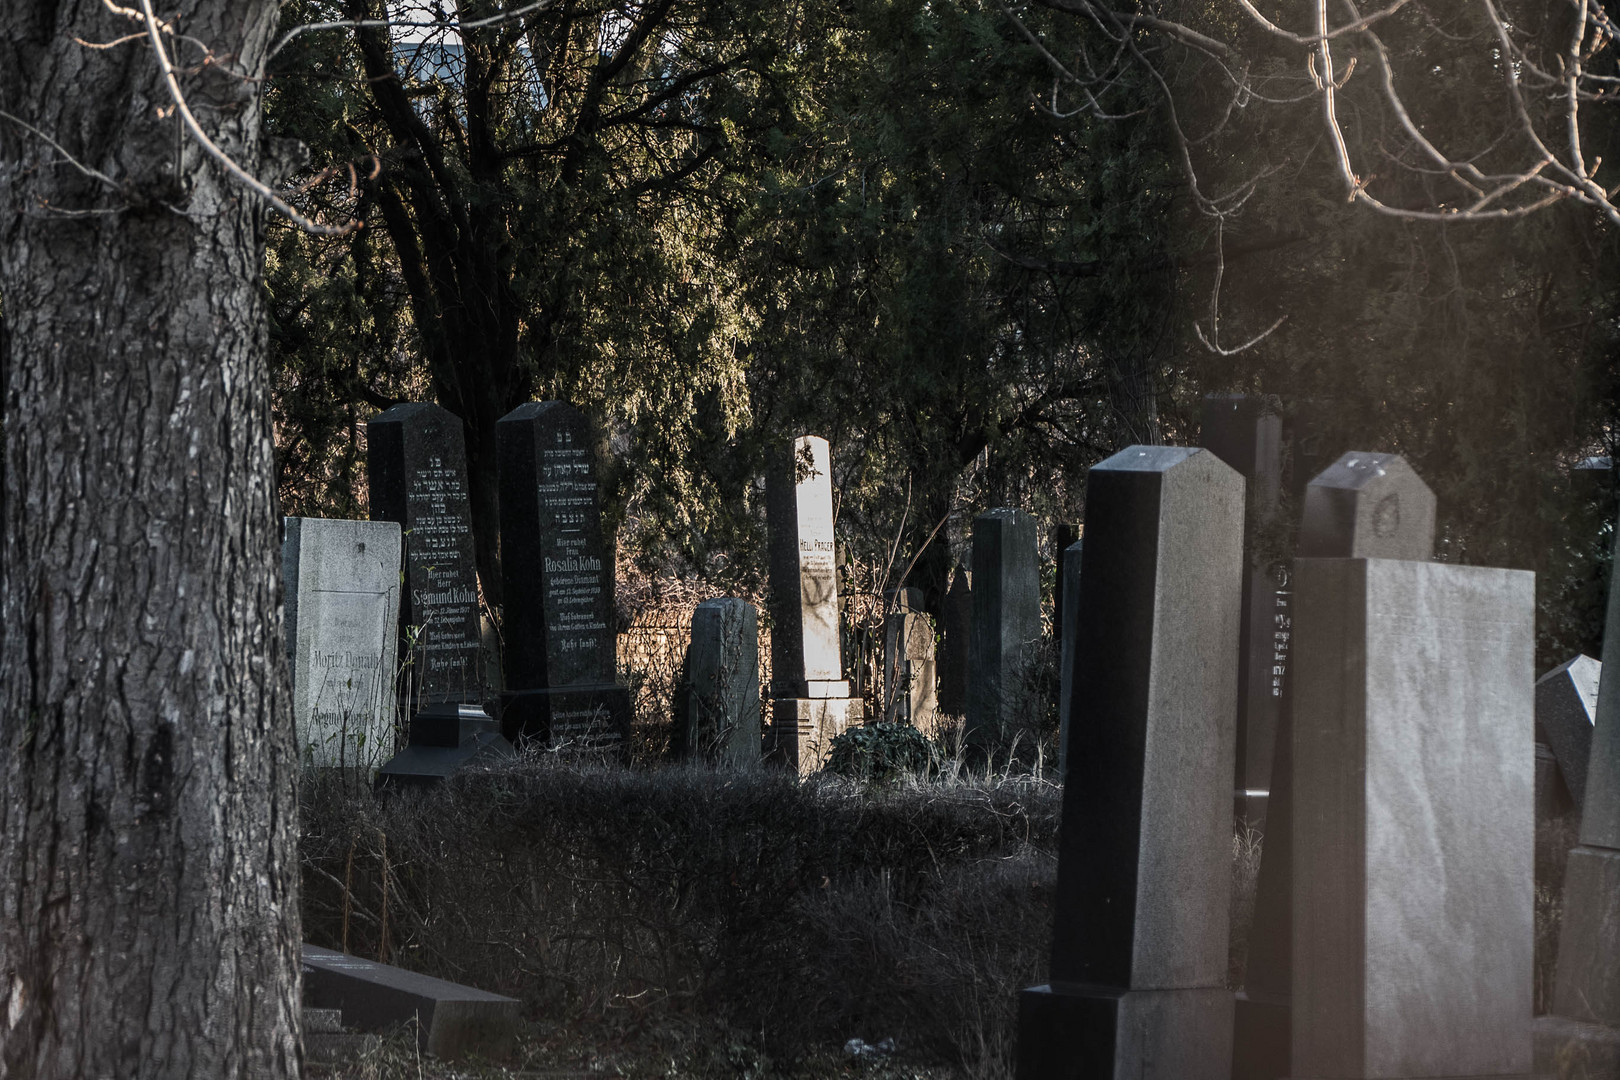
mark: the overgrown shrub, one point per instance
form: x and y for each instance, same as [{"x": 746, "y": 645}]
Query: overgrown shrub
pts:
[
  {"x": 748, "y": 899},
  {"x": 881, "y": 751}
]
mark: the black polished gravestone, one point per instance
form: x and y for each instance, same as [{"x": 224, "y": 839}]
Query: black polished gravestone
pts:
[
  {"x": 1141, "y": 921},
  {"x": 1246, "y": 433},
  {"x": 416, "y": 463},
  {"x": 1353, "y": 509},
  {"x": 558, "y": 572}
]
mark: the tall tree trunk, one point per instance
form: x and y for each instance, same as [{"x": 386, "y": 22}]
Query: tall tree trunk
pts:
[{"x": 148, "y": 890}]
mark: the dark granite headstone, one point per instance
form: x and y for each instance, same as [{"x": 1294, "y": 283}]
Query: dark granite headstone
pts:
[
  {"x": 1566, "y": 707},
  {"x": 1368, "y": 506},
  {"x": 451, "y": 1020},
  {"x": 722, "y": 721},
  {"x": 1006, "y": 629},
  {"x": 1246, "y": 433},
  {"x": 1139, "y": 951},
  {"x": 416, "y": 462},
  {"x": 1339, "y": 506},
  {"x": 1068, "y": 615},
  {"x": 956, "y": 627},
  {"x": 560, "y": 662},
  {"x": 1587, "y": 988}
]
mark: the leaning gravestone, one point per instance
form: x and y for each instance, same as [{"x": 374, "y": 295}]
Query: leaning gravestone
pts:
[
  {"x": 1413, "y": 823},
  {"x": 1246, "y": 433},
  {"x": 811, "y": 704},
  {"x": 1139, "y": 950},
  {"x": 1586, "y": 993},
  {"x": 1338, "y": 519},
  {"x": 722, "y": 716},
  {"x": 1068, "y": 607},
  {"x": 342, "y": 610},
  {"x": 1566, "y": 708},
  {"x": 1006, "y": 630},
  {"x": 910, "y": 693},
  {"x": 417, "y": 467},
  {"x": 560, "y": 663}
]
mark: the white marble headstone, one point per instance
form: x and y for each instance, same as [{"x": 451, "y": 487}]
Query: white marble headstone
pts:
[{"x": 343, "y": 588}]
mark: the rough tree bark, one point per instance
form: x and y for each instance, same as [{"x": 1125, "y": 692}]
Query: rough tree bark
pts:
[{"x": 148, "y": 891}]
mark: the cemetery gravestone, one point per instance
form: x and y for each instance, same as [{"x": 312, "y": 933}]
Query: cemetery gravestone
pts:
[
  {"x": 450, "y": 1019},
  {"x": 811, "y": 703},
  {"x": 1006, "y": 630},
  {"x": 1587, "y": 987},
  {"x": 342, "y": 611},
  {"x": 956, "y": 626},
  {"x": 722, "y": 720},
  {"x": 1413, "y": 916},
  {"x": 1566, "y": 707},
  {"x": 1068, "y": 616},
  {"x": 416, "y": 464},
  {"x": 1063, "y": 536},
  {"x": 1337, "y": 522},
  {"x": 909, "y": 684},
  {"x": 561, "y": 648},
  {"x": 1368, "y": 506},
  {"x": 1246, "y": 434},
  {"x": 1139, "y": 951}
]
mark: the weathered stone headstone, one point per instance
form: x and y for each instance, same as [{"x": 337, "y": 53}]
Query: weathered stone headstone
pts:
[
  {"x": 910, "y": 690},
  {"x": 1246, "y": 433},
  {"x": 956, "y": 627},
  {"x": 450, "y": 1019},
  {"x": 1006, "y": 630},
  {"x": 416, "y": 463},
  {"x": 1342, "y": 523},
  {"x": 722, "y": 720},
  {"x": 1139, "y": 951},
  {"x": 342, "y": 611},
  {"x": 1413, "y": 920},
  {"x": 1368, "y": 506},
  {"x": 1566, "y": 708},
  {"x": 1587, "y": 988},
  {"x": 1068, "y": 616},
  {"x": 811, "y": 703},
  {"x": 560, "y": 663}
]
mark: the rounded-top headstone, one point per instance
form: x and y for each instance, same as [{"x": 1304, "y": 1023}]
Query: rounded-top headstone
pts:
[{"x": 1368, "y": 506}]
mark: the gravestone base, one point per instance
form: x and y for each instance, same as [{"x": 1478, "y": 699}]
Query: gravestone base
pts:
[
  {"x": 1566, "y": 1047},
  {"x": 802, "y": 729},
  {"x": 1260, "y": 1036},
  {"x": 1588, "y": 986},
  {"x": 450, "y": 1019},
  {"x": 590, "y": 717},
  {"x": 421, "y": 766},
  {"x": 1073, "y": 1032}
]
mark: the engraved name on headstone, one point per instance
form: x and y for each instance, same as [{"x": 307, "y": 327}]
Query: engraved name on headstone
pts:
[
  {"x": 417, "y": 466},
  {"x": 560, "y": 660},
  {"x": 342, "y": 611}
]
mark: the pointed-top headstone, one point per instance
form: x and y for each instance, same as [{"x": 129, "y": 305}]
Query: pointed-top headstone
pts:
[
  {"x": 1566, "y": 705},
  {"x": 1368, "y": 506}
]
